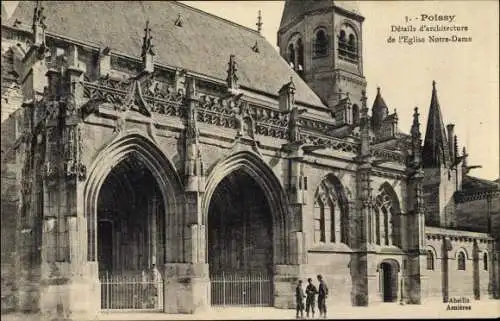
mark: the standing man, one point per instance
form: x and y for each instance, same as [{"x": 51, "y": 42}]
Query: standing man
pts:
[
  {"x": 310, "y": 294},
  {"x": 299, "y": 296},
  {"x": 322, "y": 295}
]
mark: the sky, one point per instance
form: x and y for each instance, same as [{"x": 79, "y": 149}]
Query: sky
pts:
[{"x": 467, "y": 73}]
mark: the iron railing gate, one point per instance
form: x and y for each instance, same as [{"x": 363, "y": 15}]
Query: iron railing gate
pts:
[
  {"x": 254, "y": 289},
  {"x": 131, "y": 292}
]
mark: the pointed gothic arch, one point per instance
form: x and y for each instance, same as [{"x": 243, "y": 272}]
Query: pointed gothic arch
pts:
[
  {"x": 331, "y": 212},
  {"x": 133, "y": 145},
  {"x": 252, "y": 165},
  {"x": 385, "y": 224}
]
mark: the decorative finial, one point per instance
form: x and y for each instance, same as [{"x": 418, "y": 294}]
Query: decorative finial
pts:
[
  {"x": 415, "y": 128},
  {"x": 232, "y": 78},
  {"x": 147, "y": 50},
  {"x": 416, "y": 138},
  {"x": 147, "y": 44},
  {"x": 38, "y": 17},
  {"x": 433, "y": 85},
  {"x": 39, "y": 25},
  {"x": 259, "y": 22},
  {"x": 378, "y": 90}
]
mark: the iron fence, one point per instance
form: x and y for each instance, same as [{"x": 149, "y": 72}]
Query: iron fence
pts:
[
  {"x": 132, "y": 292},
  {"x": 249, "y": 289}
]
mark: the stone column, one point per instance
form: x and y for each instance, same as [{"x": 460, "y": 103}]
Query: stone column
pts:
[
  {"x": 186, "y": 278},
  {"x": 363, "y": 260}
]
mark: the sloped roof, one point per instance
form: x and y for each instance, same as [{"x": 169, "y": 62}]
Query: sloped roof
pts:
[
  {"x": 5, "y": 15},
  {"x": 203, "y": 44},
  {"x": 471, "y": 183},
  {"x": 295, "y": 9},
  {"x": 379, "y": 110},
  {"x": 435, "y": 151}
]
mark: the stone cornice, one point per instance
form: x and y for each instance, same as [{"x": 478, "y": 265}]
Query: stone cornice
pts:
[
  {"x": 436, "y": 233},
  {"x": 474, "y": 195}
]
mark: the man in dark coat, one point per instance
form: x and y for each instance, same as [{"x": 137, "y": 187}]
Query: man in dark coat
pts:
[
  {"x": 310, "y": 296},
  {"x": 299, "y": 296},
  {"x": 322, "y": 295}
]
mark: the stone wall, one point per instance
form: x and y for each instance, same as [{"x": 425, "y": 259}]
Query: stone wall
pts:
[
  {"x": 474, "y": 280},
  {"x": 11, "y": 98}
]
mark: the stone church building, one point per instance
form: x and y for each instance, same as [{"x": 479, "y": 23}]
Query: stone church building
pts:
[{"x": 157, "y": 157}]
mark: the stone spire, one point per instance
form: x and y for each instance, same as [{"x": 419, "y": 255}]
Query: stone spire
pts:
[
  {"x": 379, "y": 111},
  {"x": 147, "y": 52},
  {"x": 259, "y": 22},
  {"x": 416, "y": 140},
  {"x": 436, "y": 149}
]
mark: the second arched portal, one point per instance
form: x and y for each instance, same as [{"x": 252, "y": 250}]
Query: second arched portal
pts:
[
  {"x": 130, "y": 237},
  {"x": 240, "y": 242}
]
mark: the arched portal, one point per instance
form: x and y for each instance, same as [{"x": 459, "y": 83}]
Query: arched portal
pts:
[
  {"x": 130, "y": 217},
  {"x": 388, "y": 276},
  {"x": 131, "y": 206},
  {"x": 239, "y": 227},
  {"x": 245, "y": 212},
  {"x": 240, "y": 242}
]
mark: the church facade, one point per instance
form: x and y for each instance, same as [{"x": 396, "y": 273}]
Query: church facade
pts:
[{"x": 158, "y": 143}]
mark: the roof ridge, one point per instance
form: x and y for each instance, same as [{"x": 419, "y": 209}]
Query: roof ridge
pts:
[{"x": 217, "y": 17}]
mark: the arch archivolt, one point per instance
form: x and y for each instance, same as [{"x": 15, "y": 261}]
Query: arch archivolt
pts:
[
  {"x": 252, "y": 165},
  {"x": 433, "y": 250},
  {"x": 132, "y": 144},
  {"x": 459, "y": 249},
  {"x": 394, "y": 263}
]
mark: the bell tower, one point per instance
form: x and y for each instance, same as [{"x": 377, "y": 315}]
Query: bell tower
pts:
[{"x": 322, "y": 41}]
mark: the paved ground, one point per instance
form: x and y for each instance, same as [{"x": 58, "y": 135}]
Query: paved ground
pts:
[{"x": 479, "y": 309}]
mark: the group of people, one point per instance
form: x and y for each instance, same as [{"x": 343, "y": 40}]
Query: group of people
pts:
[{"x": 310, "y": 295}]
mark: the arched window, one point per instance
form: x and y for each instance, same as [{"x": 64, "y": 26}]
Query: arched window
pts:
[
  {"x": 383, "y": 219},
  {"x": 321, "y": 43},
  {"x": 384, "y": 224},
  {"x": 300, "y": 55},
  {"x": 330, "y": 213},
  {"x": 291, "y": 54},
  {"x": 348, "y": 44},
  {"x": 485, "y": 261},
  {"x": 430, "y": 260},
  {"x": 351, "y": 44},
  {"x": 461, "y": 261}
]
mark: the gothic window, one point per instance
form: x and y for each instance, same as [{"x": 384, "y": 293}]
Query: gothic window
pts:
[
  {"x": 385, "y": 224},
  {"x": 348, "y": 44},
  {"x": 461, "y": 261},
  {"x": 430, "y": 260},
  {"x": 321, "y": 43},
  {"x": 330, "y": 211},
  {"x": 485, "y": 261}
]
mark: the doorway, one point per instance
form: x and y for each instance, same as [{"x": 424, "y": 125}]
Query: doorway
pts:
[{"x": 389, "y": 281}]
